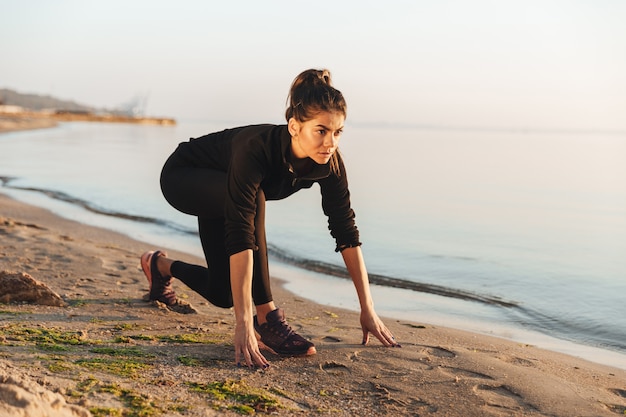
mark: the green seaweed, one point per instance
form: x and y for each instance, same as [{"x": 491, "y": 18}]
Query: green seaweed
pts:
[
  {"x": 126, "y": 326},
  {"x": 126, "y": 352},
  {"x": 200, "y": 338},
  {"x": 243, "y": 399},
  {"x": 122, "y": 367},
  {"x": 138, "y": 405},
  {"x": 188, "y": 360},
  {"x": 46, "y": 338},
  {"x": 57, "y": 364},
  {"x": 106, "y": 412},
  {"x": 135, "y": 404}
]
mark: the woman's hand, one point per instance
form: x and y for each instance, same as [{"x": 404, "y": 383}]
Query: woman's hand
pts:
[
  {"x": 371, "y": 323},
  {"x": 247, "y": 347}
]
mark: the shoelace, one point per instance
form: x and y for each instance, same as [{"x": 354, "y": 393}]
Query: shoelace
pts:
[
  {"x": 282, "y": 328},
  {"x": 165, "y": 290}
]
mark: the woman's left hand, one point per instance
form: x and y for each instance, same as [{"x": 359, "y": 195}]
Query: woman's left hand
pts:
[{"x": 371, "y": 323}]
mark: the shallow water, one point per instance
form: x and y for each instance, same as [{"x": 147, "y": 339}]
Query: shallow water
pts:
[{"x": 509, "y": 233}]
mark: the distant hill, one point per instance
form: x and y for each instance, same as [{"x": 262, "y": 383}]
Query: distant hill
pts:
[{"x": 39, "y": 102}]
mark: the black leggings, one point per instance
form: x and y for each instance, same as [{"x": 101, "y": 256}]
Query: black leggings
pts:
[{"x": 201, "y": 192}]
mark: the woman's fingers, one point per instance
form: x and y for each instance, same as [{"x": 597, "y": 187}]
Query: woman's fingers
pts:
[
  {"x": 247, "y": 351},
  {"x": 261, "y": 361},
  {"x": 366, "y": 336},
  {"x": 250, "y": 356},
  {"x": 387, "y": 338},
  {"x": 370, "y": 323}
]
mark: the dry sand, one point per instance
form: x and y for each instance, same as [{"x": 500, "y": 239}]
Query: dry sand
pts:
[{"x": 109, "y": 352}]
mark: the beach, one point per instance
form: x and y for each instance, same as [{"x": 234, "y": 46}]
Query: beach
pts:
[{"x": 107, "y": 351}]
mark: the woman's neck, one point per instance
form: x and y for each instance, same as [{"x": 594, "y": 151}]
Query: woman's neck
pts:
[{"x": 302, "y": 166}]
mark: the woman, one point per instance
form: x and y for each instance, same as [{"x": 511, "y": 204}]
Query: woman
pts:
[{"x": 224, "y": 179}]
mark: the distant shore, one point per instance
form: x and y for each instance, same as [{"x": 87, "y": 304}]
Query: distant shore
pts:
[
  {"x": 39, "y": 119},
  {"x": 12, "y": 123}
]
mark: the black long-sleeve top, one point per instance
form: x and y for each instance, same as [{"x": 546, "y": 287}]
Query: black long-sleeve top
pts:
[{"x": 258, "y": 157}]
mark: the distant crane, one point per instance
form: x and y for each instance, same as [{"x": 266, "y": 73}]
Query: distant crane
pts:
[{"x": 135, "y": 107}]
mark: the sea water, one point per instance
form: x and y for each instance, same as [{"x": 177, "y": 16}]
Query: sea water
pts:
[{"x": 519, "y": 234}]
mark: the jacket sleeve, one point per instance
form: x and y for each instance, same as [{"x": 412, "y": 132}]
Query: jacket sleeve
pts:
[
  {"x": 245, "y": 173},
  {"x": 336, "y": 205}
]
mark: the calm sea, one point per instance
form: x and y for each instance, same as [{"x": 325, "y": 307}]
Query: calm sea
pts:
[{"x": 518, "y": 234}]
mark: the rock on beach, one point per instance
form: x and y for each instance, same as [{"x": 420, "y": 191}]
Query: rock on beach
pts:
[{"x": 21, "y": 287}]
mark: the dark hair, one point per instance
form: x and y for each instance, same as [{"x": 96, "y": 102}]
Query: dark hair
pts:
[{"x": 312, "y": 92}]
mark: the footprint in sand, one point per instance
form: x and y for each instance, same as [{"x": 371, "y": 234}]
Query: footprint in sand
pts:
[
  {"x": 458, "y": 372},
  {"x": 334, "y": 368},
  {"x": 56, "y": 257},
  {"x": 500, "y": 396},
  {"x": 439, "y": 352},
  {"x": 618, "y": 391},
  {"x": 113, "y": 265},
  {"x": 514, "y": 360},
  {"x": 616, "y": 408},
  {"x": 332, "y": 339}
]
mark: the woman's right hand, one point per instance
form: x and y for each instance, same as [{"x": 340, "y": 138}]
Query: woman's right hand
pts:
[{"x": 247, "y": 348}]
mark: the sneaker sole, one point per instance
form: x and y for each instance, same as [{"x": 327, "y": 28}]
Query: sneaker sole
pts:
[{"x": 146, "y": 259}]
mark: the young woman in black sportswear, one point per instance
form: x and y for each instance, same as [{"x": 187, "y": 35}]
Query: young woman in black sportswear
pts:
[{"x": 225, "y": 178}]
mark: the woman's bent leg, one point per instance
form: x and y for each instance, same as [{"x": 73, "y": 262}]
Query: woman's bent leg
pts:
[
  {"x": 202, "y": 192},
  {"x": 217, "y": 286}
]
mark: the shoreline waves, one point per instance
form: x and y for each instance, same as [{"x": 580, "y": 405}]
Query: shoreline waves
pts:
[{"x": 540, "y": 327}]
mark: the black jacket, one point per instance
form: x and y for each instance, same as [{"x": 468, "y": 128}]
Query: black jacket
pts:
[{"x": 258, "y": 157}]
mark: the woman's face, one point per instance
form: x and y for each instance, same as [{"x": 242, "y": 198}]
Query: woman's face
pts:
[{"x": 317, "y": 138}]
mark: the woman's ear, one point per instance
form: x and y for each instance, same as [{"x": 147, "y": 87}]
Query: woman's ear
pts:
[{"x": 293, "y": 126}]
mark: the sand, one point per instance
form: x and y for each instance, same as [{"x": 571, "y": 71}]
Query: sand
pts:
[{"x": 109, "y": 352}]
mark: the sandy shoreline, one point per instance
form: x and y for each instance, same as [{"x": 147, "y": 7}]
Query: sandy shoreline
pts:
[
  {"x": 36, "y": 119},
  {"x": 111, "y": 352},
  {"x": 437, "y": 372}
]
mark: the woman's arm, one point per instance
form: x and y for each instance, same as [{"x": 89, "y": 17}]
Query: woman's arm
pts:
[
  {"x": 246, "y": 345},
  {"x": 370, "y": 322}
]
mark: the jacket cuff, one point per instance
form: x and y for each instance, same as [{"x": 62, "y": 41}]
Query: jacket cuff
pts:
[
  {"x": 340, "y": 248},
  {"x": 231, "y": 250}
]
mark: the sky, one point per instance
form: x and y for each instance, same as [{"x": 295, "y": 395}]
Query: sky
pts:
[{"x": 534, "y": 64}]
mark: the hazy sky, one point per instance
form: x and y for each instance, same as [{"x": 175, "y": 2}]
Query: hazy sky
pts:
[{"x": 531, "y": 63}]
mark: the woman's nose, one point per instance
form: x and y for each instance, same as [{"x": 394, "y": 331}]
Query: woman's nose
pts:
[{"x": 331, "y": 140}]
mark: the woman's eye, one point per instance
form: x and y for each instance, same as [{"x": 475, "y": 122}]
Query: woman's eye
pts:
[{"x": 321, "y": 132}]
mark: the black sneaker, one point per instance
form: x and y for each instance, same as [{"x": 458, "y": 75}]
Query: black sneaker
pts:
[
  {"x": 279, "y": 337},
  {"x": 160, "y": 286}
]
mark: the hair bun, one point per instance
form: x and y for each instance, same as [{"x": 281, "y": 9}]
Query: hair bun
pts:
[
  {"x": 325, "y": 76},
  {"x": 312, "y": 92}
]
